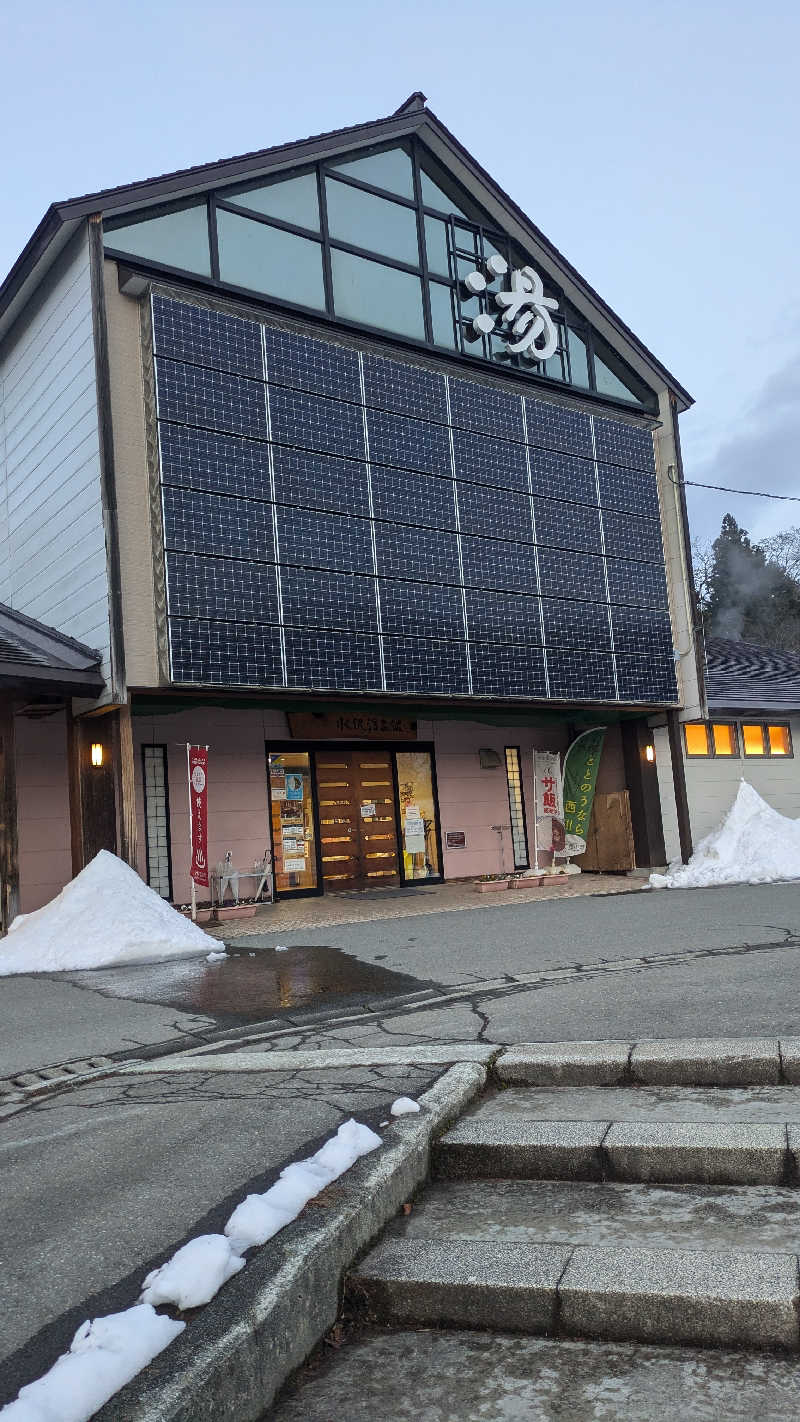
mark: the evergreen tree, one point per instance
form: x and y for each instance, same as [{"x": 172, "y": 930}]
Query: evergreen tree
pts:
[{"x": 750, "y": 597}]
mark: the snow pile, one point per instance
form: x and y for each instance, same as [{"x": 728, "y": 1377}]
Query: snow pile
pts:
[
  {"x": 107, "y": 915},
  {"x": 404, "y": 1106},
  {"x": 104, "y": 1355},
  {"x": 259, "y": 1217},
  {"x": 194, "y": 1274},
  {"x": 216, "y": 957},
  {"x": 753, "y": 845}
]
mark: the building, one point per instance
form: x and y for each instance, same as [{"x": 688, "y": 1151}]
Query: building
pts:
[
  {"x": 750, "y": 731},
  {"x": 342, "y": 469}
]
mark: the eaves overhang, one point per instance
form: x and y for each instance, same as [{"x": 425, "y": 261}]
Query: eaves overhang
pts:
[
  {"x": 37, "y": 658},
  {"x": 413, "y": 117}
]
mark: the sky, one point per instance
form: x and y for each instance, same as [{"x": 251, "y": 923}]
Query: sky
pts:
[{"x": 654, "y": 144}]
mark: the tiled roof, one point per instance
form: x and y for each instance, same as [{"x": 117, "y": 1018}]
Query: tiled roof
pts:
[
  {"x": 33, "y": 655},
  {"x": 742, "y": 676}
]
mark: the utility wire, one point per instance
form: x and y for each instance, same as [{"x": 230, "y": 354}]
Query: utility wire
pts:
[{"x": 723, "y": 489}]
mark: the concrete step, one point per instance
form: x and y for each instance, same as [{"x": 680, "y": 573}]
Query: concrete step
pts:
[
  {"x": 669, "y": 1134},
  {"x": 567, "y": 1212},
  {"x": 477, "y": 1377},
  {"x": 724, "y": 1106},
  {"x": 696, "y": 1297},
  {"x": 504, "y": 1145}
]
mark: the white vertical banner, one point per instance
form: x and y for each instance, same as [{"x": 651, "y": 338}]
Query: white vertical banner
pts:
[{"x": 549, "y": 802}]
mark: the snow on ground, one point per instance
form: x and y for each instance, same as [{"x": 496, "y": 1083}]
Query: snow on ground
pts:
[
  {"x": 259, "y": 1217},
  {"x": 754, "y": 844},
  {"x": 194, "y": 1274},
  {"x": 216, "y": 957},
  {"x": 106, "y": 915},
  {"x": 404, "y": 1106},
  {"x": 104, "y": 1355}
]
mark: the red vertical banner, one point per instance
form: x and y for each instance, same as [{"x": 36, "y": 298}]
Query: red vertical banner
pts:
[{"x": 198, "y": 800}]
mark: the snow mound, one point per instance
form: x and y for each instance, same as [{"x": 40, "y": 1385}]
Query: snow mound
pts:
[
  {"x": 104, "y": 1355},
  {"x": 105, "y": 916},
  {"x": 259, "y": 1217},
  {"x": 404, "y": 1106},
  {"x": 753, "y": 845},
  {"x": 194, "y": 1274}
]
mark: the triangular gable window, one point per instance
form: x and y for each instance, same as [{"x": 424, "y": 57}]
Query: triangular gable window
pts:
[
  {"x": 294, "y": 200},
  {"x": 348, "y": 238},
  {"x": 175, "y": 239},
  {"x": 391, "y": 170}
]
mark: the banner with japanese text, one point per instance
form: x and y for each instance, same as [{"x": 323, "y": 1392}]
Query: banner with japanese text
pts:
[
  {"x": 580, "y": 777},
  {"x": 549, "y": 805},
  {"x": 198, "y": 800}
]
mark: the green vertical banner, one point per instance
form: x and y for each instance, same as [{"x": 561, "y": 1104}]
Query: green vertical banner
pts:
[{"x": 580, "y": 777}]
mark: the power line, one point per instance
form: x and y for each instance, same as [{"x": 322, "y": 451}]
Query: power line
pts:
[{"x": 723, "y": 489}]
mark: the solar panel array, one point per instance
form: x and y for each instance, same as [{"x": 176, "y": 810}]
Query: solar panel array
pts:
[{"x": 338, "y": 520}]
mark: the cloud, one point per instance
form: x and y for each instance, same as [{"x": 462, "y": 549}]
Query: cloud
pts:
[{"x": 762, "y": 451}]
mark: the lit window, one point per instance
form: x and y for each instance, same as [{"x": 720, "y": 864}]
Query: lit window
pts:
[
  {"x": 724, "y": 739},
  {"x": 697, "y": 742},
  {"x": 780, "y": 742},
  {"x": 753, "y": 740},
  {"x": 516, "y": 806}
]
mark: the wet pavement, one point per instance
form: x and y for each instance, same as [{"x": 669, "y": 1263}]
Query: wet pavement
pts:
[{"x": 252, "y": 983}]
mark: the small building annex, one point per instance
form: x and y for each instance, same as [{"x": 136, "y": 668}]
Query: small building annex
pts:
[{"x": 342, "y": 469}]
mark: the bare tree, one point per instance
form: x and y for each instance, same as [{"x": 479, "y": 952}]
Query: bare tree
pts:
[
  {"x": 703, "y": 565},
  {"x": 784, "y": 549}
]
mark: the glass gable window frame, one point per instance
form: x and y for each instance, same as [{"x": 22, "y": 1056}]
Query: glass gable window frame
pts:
[
  {"x": 460, "y": 235},
  {"x": 708, "y": 740}
]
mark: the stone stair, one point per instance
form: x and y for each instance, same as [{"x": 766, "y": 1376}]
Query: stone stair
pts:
[{"x": 577, "y": 1199}]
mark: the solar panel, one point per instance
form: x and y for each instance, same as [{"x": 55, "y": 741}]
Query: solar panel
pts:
[{"x": 341, "y": 520}]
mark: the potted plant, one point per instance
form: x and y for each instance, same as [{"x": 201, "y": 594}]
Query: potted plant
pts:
[{"x": 526, "y": 880}]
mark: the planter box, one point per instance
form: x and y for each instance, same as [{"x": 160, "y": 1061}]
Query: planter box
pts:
[
  {"x": 488, "y": 886},
  {"x": 235, "y": 911},
  {"x": 204, "y": 915},
  {"x": 534, "y": 882}
]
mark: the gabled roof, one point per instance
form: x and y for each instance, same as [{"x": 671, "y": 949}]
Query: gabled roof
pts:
[
  {"x": 413, "y": 117},
  {"x": 34, "y": 657},
  {"x": 742, "y": 676}
]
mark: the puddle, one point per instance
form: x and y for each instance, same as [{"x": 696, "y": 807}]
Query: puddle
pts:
[{"x": 252, "y": 984}]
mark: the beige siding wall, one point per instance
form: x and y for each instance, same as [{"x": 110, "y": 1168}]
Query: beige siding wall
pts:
[
  {"x": 133, "y": 505},
  {"x": 712, "y": 784}
]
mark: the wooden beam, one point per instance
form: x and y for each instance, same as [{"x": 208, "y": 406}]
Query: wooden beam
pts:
[
  {"x": 125, "y": 785},
  {"x": 679, "y": 782},
  {"x": 9, "y": 837}
]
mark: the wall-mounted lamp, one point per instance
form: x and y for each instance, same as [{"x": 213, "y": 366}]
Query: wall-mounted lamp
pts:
[
  {"x": 97, "y": 753},
  {"x": 650, "y": 753}
]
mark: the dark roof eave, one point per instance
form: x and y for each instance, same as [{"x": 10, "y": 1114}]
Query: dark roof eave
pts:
[{"x": 66, "y": 681}]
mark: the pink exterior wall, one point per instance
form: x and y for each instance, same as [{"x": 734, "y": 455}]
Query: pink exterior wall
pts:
[
  {"x": 470, "y": 799},
  {"x": 237, "y": 783},
  {"x": 45, "y": 856},
  {"x": 473, "y": 800}
]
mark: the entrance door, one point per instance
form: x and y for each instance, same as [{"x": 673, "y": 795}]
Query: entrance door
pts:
[{"x": 357, "y": 824}]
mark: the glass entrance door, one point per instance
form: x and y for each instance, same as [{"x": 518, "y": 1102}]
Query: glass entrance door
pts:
[{"x": 291, "y": 802}]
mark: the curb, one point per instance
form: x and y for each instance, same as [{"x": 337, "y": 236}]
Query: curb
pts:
[
  {"x": 712, "y": 1061},
  {"x": 238, "y": 1351}
]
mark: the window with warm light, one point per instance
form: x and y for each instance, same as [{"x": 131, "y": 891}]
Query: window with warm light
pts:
[
  {"x": 97, "y": 753},
  {"x": 697, "y": 739},
  {"x": 780, "y": 740},
  {"x": 724, "y": 736},
  {"x": 753, "y": 740}
]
